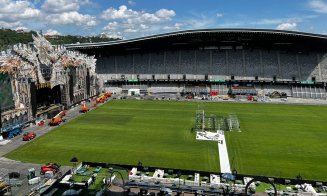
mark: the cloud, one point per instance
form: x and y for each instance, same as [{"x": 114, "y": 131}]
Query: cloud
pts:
[
  {"x": 86, "y": 2},
  {"x": 137, "y": 17},
  {"x": 66, "y": 12},
  {"x": 175, "y": 27},
  {"x": 219, "y": 15},
  {"x": 52, "y": 32},
  {"x": 60, "y": 6},
  {"x": 287, "y": 26},
  {"x": 131, "y": 3},
  {"x": 318, "y": 6},
  {"x": 129, "y": 21},
  {"x": 10, "y": 25},
  {"x": 131, "y": 30},
  {"x": 111, "y": 26},
  {"x": 115, "y": 35},
  {"x": 13, "y": 11},
  {"x": 73, "y": 18},
  {"x": 165, "y": 14},
  {"x": 121, "y": 13}
]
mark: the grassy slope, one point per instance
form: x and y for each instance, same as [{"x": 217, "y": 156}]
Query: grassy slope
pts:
[
  {"x": 276, "y": 140},
  {"x": 156, "y": 133}
]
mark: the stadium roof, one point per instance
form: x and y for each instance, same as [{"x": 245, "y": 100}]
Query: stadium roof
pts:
[{"x": 205, "y": 37}]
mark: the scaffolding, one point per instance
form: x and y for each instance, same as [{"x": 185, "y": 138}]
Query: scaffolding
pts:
[
  {"x": 233, "y": 123},
  {"x": 212, "y": 122}
]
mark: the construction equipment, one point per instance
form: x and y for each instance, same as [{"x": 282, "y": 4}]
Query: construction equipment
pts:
[
  {"x": 103, "y": 97},
  {"x": 84, "y": 107},
  {"x": 56, "y": 120}
]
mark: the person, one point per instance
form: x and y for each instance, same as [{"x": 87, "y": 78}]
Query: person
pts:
[{"x": 93, "y": 179}]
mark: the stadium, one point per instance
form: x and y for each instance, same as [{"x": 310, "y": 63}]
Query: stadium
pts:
[
  {"x": 260, "y": 93},
  {"x": 289, "y": 62}
]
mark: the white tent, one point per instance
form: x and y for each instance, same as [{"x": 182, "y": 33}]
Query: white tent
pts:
[{"x": 132, "y": 92}]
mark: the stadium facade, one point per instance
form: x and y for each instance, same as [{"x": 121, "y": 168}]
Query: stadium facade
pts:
[
  {"x": 39, "y": 80},
  {"x": 237, "y": 61}
]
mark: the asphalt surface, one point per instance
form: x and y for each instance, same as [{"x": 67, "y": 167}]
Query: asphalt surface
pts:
[{"x": 7, "y": 166}]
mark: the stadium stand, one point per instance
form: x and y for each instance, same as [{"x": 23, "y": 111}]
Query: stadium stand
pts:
[
  {"x": 134, "y": 86},
  {"x": 203, "y": 62},
  {"x": 221, "y": 89},
  {"x": 323, "y": 66},
  {"x": 219, "y": 65},
  {"x": 289, "y": 67},
  {"x": 141, "y": 63},
  {"x": 125, "y": 64},
  {"x": 270, "y": 60},
  {"x": 252, "y": 63},
  {"x": 242, "y": 64},
  {"x": 235, "y": 63},
  {"x": 187, "y": 62},
  {"x": 270, "y": 64},
  {"x": 308, "y": 66},
  {"x": 157, "y": 63},
  {"x": 308, "y": 92},
  {"x": 269, "y": 89},
  {"x": 172, "y": 62},
  {"x": 164, "y": 88}
]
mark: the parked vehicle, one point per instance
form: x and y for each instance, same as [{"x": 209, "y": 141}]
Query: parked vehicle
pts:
[
  {"x": 54, "y": 167},
  {"x": 28, "y": 136}
]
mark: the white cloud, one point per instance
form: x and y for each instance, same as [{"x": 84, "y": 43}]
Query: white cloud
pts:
[
  {"x": 73, "y": 18},
  {"x": 52, "y": 32},
  {"x": 121, "y": 13},
  {"x": 66, "y": 12},
  {"x": 10, "y": 25},
  {"x": 219, "y": 15},
  {"x": 115, "y": 35},
  {"x": 287, "y": 26},
  {"x": 318, "y": 6},
  {"x": 165, "y": 14},
  {"x": 137, "y": 17},
  {"x": 129, "y": 21},
  {"x": 86, "y": 2},
  {"x": 59, "y": 6},
  {"x": 175, "y": 27},
  {"x": 13, "y": 11},
  {"x": 111, "y": 26},
  {"x": 143, "y": 26},
  {"x": 131, "y": 30},
  {"x": 131, "y": 3}
]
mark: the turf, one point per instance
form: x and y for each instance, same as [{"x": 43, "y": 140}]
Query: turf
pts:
[
  {"x": 276, "y": 140},
  {"x": 155, "y": 133}
]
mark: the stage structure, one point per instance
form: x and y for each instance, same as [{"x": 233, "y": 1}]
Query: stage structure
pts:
[{"x": 45, "y": 79}]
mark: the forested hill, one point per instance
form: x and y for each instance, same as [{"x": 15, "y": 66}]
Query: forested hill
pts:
[{"x": 10, "y": 37}]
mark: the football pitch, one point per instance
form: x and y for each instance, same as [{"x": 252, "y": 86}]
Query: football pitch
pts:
[{"x": 276, "y": 140}]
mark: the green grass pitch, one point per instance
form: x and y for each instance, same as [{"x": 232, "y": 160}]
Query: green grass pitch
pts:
[{"x": 276, "y": 140}]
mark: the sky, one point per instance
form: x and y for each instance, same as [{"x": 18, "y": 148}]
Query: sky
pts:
[{"x": 136, "y": 18}]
